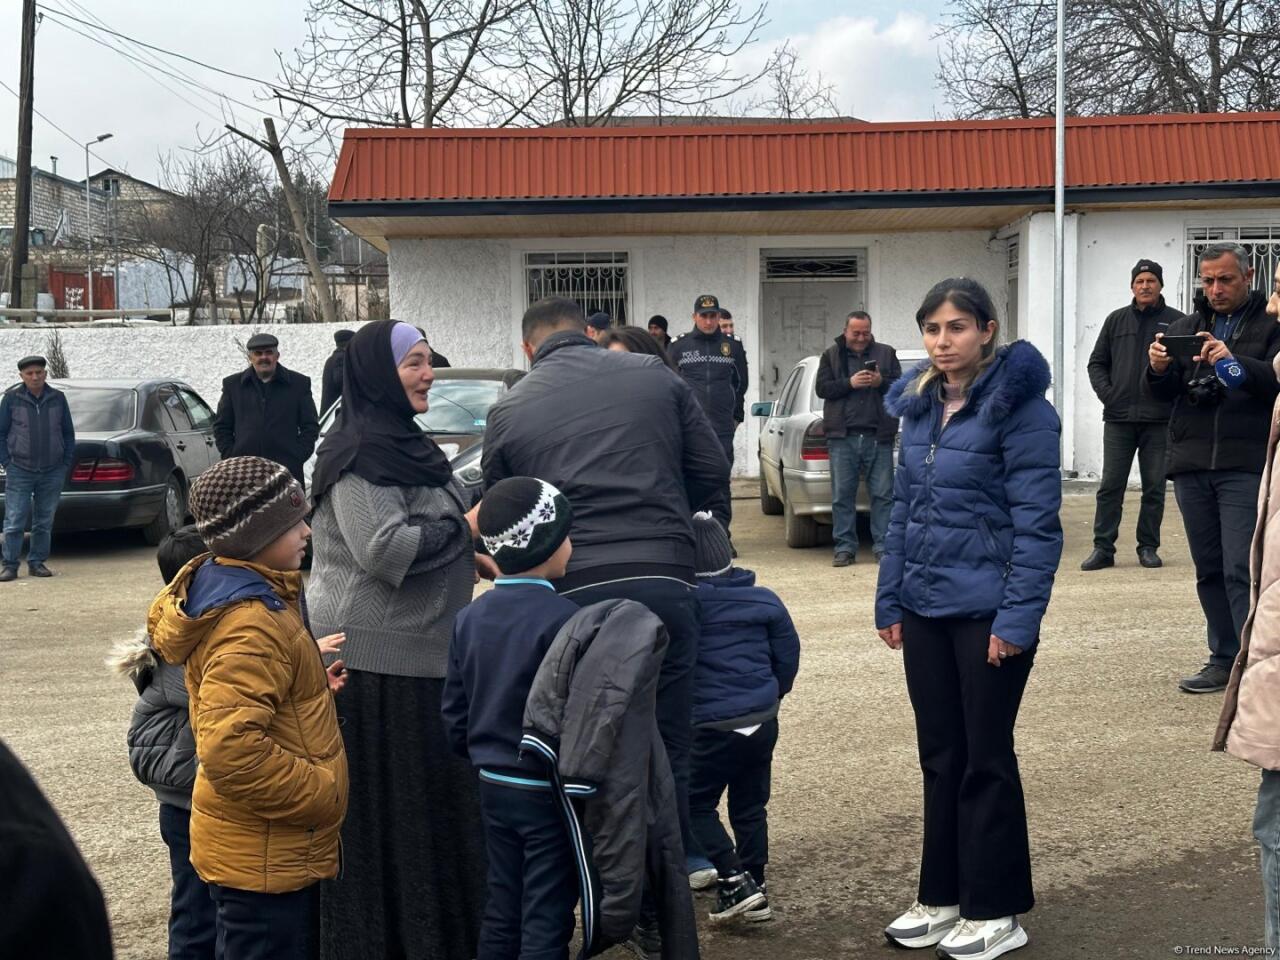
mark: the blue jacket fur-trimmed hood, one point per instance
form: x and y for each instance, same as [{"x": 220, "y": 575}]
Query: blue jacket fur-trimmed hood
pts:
[{"x": 975, "y": 530}]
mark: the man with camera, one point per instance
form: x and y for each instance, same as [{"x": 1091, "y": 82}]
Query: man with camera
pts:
[
  {"x": 1214, "y": 365},
  {"x": 853, "y": 376},
  {"x": 1134, "y": 422}
]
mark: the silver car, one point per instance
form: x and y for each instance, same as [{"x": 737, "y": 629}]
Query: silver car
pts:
[{"x": 795, "y": 468}]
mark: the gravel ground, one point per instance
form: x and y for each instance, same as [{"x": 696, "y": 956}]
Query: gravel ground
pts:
[{"x": 1140, "y": 837}]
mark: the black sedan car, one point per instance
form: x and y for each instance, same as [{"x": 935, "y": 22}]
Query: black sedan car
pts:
[
  {"x": 457, "y": 411},
  {"x": 139, "y": 446}
]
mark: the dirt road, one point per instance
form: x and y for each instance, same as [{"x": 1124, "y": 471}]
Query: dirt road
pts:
[{"x": 1140, "y": 837}]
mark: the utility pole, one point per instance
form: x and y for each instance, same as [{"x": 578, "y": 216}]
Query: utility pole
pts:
[
  {"x": 272, "y": 145},
  {"x": 88, "y": 220},
  {"x": 22, "y": 193}
]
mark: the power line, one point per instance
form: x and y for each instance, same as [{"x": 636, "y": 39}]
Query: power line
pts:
[
  {"x": 78, "y": 143},
  {"x": 168, "y": 53}
]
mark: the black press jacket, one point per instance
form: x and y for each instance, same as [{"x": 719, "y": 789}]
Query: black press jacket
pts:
[
  {"x": 1232, "y": 434},
  {"x": 710, "y": 363},
  {"x": 276, "y": 420},
  {"x": 622, "y": 438},
  {"x": 1118, "y": 364},
  {"x": 590, "y": 717},
  {"x": 844, "y": 407}
]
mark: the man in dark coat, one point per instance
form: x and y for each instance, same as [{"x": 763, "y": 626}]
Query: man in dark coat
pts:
[
  {"x": 331, "y": 378},
  {"x": 634, "y": 474},
  {"x": 705, "y": 358},
  {"x": 1218, "y": 429},
  {"x": 37, "y": 447},
  {"x": 267, "y": 410},
  {"x": 739, "y": 363},
  {"x": 1134, "y": 422},
  {"x": 854, "y": 374}
]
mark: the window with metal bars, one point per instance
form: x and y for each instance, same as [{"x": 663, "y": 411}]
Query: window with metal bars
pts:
[
  {"x": 599, "y": 282},
  {"x": 1262, "y": 241}
]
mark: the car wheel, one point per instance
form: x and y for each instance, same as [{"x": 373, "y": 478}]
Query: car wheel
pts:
[
  {"x": 801, "y": 531},
  {"x": 770, "y": 505},
  {"x": 171, "y": 516}
]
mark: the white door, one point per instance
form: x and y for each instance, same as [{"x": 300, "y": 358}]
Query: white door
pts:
[{"x": 805, "y": 297}]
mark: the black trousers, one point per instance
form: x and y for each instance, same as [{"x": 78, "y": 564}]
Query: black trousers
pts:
[
  {"x": 976, "y": 852},
  {"x": 743, "y": 765},
  {"x": 676, "y": 604},
  {"x": 192, "y": 913},
  {"x": 533, "y": 881},
  {"x": 1120, "y": 442},
  {"x": 1219, "y": 510},
  {"x": 263, "y": 926},
  {"x": 723, "y": 511}
]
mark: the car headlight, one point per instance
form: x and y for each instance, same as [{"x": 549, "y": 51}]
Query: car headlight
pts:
[{"x": 470, "y": 475}]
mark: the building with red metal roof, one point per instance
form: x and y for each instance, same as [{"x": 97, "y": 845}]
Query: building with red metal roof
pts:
[{"x": 794, "y": 225}]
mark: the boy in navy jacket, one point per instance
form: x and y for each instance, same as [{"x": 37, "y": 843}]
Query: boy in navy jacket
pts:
[
  {"x": 748, "y": 657},
  {"x": 498, "y": 645}
]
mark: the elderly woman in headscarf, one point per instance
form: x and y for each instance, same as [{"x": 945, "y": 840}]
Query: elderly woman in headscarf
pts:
[{"x": 393, "y": 565}]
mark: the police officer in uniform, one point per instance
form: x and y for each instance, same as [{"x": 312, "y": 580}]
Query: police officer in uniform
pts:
[{"x": 705, "y": 358}]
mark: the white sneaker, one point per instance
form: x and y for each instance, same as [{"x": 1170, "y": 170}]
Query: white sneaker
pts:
[
  {"x": 704, "y": 878},
  {"x": 922, "y": 926},
  {"x": 983, "y": 939}
]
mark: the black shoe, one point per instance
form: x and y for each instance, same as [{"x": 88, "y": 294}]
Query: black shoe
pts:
[
  {"x": 736, "y": 895},
  {"x": 645, "y": 941},
  {"x": 1148, "y": 558},
  {"x": 1210, "y": 679},
  {"x": 761, "y": 912},
  {"x": 1098, "y": 560},
  {"x": 38, "y": 569},
  {"x": 842, "y": 560},
  {"x": 8, "y": 573}
]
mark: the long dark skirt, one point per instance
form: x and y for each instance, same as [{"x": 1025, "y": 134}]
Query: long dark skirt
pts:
[{"x": 413, "y": 880}]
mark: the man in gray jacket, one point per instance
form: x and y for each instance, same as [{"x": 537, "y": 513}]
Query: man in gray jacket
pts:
[
  {"x": 627, "y": 442},
  {"x": 37, "y": 446},
  {"x": 854, "y": 375}
]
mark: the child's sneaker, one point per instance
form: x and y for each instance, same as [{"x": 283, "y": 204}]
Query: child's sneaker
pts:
[
  {"x": 983, "y": 939},
  {"x": 922, "y": 926},
  {"x": 701, "y": 873},
  {"x": 761, "y": 912},
  {"x": 736, "y": 895}
]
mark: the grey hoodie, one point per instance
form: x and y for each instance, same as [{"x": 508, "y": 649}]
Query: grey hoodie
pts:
[{"x": 590, "y": 715}]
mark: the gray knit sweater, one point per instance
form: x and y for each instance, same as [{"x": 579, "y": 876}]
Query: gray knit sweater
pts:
[{"x": 391, "y": 568}]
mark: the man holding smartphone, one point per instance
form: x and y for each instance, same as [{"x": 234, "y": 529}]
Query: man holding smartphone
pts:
[
  {"x": 854, "y": 375},
  {"x": 1134, "y": 422},
  {"x": 1222, "y": 397}
]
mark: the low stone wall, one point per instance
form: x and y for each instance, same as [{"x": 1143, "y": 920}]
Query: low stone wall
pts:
[{"x": 200, "y": 356}]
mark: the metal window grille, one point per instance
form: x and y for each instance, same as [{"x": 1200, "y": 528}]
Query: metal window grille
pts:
[
  {"x": 1012, "y": 262},
  {"x": 809, "y": 267},
  {"x": 1262, "y": 241},
  {"x": 599, "y": 282}
]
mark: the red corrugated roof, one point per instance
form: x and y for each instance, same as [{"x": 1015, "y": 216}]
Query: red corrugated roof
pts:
[{"x": 948, "y": 156}]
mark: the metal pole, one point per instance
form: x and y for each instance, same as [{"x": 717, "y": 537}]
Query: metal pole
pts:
[
  {"x": 88, "y": 217},
  {"x": 1059, "y": 213}
]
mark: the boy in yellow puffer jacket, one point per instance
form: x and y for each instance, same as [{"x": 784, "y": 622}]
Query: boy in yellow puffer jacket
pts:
[{"x": 271, "y": 789}]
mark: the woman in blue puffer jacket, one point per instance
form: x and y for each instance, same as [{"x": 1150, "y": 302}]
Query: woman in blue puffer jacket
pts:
[{"x": 973, "y": 544}]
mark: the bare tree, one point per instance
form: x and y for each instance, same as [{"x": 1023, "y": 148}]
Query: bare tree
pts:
[
  {"x": 792, "y": 93},
  {"x": 406, "y": 63},
  {"x": 1123, "y": 56},
  {"x": 586, "y": 62}
]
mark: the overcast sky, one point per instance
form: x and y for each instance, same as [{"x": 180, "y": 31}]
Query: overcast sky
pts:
[{"x": 882, "y": 62}]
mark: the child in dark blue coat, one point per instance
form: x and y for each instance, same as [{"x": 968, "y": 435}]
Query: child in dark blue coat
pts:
[
  {"x": 498, "y": 645},
  {"x": 748, "y": 656}
]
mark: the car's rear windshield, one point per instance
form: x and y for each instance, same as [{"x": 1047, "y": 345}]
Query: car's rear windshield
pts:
[
  {"x": 101, "y": 410},
  {"x": 459, "y": 406}
]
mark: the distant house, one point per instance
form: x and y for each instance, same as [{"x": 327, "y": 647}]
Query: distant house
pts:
[
  {"x": 794, "y": 225},
  {"x": 58, "y": 214}
]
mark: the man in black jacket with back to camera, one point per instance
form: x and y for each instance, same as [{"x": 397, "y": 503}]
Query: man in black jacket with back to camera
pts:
[
  {"x": 1134, "y": 421},
  {"x": 630, "y": 447},
  {"x": 1222, "y": 399}
]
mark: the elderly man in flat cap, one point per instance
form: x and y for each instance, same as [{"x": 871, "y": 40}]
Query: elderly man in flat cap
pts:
[
  {"x": 267, "y": 410},
  {"x": 37, "y": 445}
]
